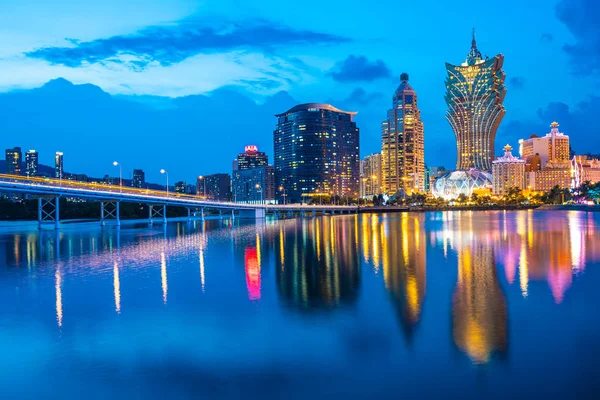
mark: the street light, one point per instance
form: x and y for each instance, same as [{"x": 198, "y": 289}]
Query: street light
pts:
[
  {"x": 282, "y": 189},
  {"x": 259, "y": 188},
  {"x": 120, "y": 176},
  {"x": 204, "y": 181},
  {"x": 163, "y": 171}
]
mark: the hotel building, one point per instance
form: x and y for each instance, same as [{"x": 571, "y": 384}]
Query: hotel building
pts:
[{"x": 507, "y": 171}]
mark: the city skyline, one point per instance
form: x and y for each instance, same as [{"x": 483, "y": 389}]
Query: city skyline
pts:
[{"x": 161, "y": 97}]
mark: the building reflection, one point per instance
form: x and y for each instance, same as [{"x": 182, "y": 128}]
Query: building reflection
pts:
[
  {"x": 479, "y": 315},
  {"x": 318, "y": 266}
]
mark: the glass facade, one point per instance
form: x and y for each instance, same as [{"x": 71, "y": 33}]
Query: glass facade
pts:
[
  {"x": 316, "y": 152},
  {"x": 402, "y": 143},
  {"x": 254, "y": 186},
  {"x": 474, "y": 94},
  {"x": 217, "y": 187},
  {"x": 13, "y": 159},
  {"x": 139, "y": 178},
  {"x": 451, "y": 184},
  {"x": 251, "y": 158},
  {"x": 31, "y": 163}
]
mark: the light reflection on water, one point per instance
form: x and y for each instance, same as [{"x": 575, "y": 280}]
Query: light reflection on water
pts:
[{"x": 326, "y": 296}]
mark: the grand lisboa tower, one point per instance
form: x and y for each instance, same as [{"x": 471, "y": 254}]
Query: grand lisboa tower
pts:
[{"x": 474, "y": 94}]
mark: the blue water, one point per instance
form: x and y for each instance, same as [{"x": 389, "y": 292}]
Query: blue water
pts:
[{"x": 476, "y": 304}]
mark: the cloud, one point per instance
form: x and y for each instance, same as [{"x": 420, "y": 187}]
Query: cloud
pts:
[
  {"x": 517, "y": 82},
  {"x": 360, "y": 97},
  {"x": 547, "y": 37},
  {"x": 358, "y": 68},
  {"x": 581, "y": 18},
  {"x": 172, "y": 43}
]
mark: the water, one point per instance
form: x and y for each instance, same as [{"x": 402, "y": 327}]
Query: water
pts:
[{"x": 490, "y": 304}]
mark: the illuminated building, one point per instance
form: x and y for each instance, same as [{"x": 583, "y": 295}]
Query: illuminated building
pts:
[
  {"x": 13, "y": 159},
  {"x": 474, "y": 94},
  {"x": 554, "y": 146},
  {"x": 452, "y": 184},
  {"x": 139, "y": 178},
  {"x": 554, "y": 174},
  {"x": 316, "y": 152},
  {"x": 370, "y": 176},
  {"x": 251, "y": 158},
  {"x": 180, "y": 187},
  {"x": 508, "y": 171},
  {"x": 218, "y": 187},
  {"x": 254, "y": 186},
  {"x": 585, "y": 170},
  {"x": 58, "y": 165},
  {"x": 479, "y": 313},
  {"x": 31, "y": 163},
  {"x": 402, "y": 143}
]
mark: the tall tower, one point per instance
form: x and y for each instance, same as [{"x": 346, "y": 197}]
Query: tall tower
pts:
[
  {"x": 402, "y": 143},
  {"x": 474, "y": 93},
  {"x": 31, "y": 163},
  {"x": 58, "y": 165}
]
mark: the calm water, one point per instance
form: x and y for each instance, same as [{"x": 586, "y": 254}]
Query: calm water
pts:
[{"x": 489, "y": 304}]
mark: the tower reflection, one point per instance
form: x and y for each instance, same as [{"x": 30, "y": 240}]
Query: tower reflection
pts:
[
  {"x": 318, "y": 263},
  {"x": 479, "y": 315}
]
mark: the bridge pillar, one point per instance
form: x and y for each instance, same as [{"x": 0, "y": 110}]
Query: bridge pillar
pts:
[
  {"x": 39, "y": 213},
  {"x": 118, "y": 216},
  {"x": 165, "y": 215},
  {"x": 220, "y": 214},
  {"x": 189, "y": 214},
  {"x": 232, "y": 215},
  {"x": 48, "y": 211},
  {"x": 108, "y": 212},
  {"x": 56, "y": 214},
  {"x": 302, "y": 213},
  {"x": 202, "y": 213},
  {"x": 150, "y": 214},
  {"x": 314, "y": 213}
]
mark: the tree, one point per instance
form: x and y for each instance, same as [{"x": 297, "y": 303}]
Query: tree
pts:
[
  {"x": 462, "y": 198},
  {"x": 376, "y": 201}
]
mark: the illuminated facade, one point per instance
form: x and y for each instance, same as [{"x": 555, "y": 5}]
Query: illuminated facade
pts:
[
  {"x": 31, "y": 163},
  {"x": 585, "y": 170},
  {"x": 218, "y": 187},
  {"x": 508, "y": 171},
  {"x": 139, "y": 178},
  {"x": 59, "y": 171},
  {"x": 254, "y": 186},
  {"x": 538, "y": 151},
  {"x": 554, "y": 174},
  {"x": 370, "y": 176},
  {"x": 402, "y": 143},
  {"x": 251, "y": 158},
  {"x": 452, "y": 184},
  {"x": 13, "y": 159},
  {"x": 316, "y": 152},
  {"x": 474, "y": 94}
]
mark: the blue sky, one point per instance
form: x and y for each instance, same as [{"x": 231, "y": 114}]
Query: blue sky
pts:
[{"x": 347, "y": 53}]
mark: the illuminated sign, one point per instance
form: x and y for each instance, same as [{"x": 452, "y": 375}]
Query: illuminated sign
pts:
[{"x": 251, "y": 148}]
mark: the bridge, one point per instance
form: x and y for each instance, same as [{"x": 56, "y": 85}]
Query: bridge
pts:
[{"x": 48, "y": 191}]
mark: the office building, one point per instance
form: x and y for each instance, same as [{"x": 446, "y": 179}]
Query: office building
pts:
[
  {"x": 180, "y": 187},
  {"x": 13, "y": 159},
  {"x": 31, "y": 163},
  {"x": 316, "y": 152},
  {"x": 58, "y": 165},
  {"x": 370, "y": 176},
  {"x": 250, "y": 158},
  {"x": 474, "y": 94},
  {"x": 216, "y": 186},
  {"x": 508, "y": 171},
  {"x": 139, "y": 179},
  {"x": 402, "y": 143},
  {"x": 254, "y": 186}
]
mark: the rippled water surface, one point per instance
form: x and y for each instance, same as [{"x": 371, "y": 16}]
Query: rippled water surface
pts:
[{"x": 495, "y": 304}]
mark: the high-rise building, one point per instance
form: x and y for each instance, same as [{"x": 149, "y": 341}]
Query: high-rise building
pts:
[
  {"x": 139, "y": 178},
  {"x": 180, "y": 187},
  {"x": 554, "y": 146},
  {"x": 402, "y": 143},
  {"x": 508, "y": 171},
  {"x": 58, "y": 165},
  {"x": 316, "y": 152},
  {"x": 370, "y": 176},
  {"x": 254, "y": 186},
  {"x": 474, "y": 93},
  {"x": 585, "y": 169},
  {"x": 13, "y": 159},
  {"x": 31, "y": 163},
  {"x": 217, "y": 187},
  {"x": 251, "y": 158}
]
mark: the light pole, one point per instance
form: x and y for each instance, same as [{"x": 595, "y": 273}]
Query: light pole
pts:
[
  {"x": 204, "y": 182},
  {"x": 259, "y": 188},
  {"x": 282, "y": 189},
  {"x": 120, "y": 176},
  {"x": 163, "y": 171}
]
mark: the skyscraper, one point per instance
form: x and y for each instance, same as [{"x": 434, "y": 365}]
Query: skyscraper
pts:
[
  {"x": 370, "y": 176},
  {"x": 316, "y": 152},
  {"x": 474, "y": 94},
  {"x": 58, "y": 165},
  {"x": 508, "y": 171},
  {"x": 402, "y": 143},
  {"x": 31, "y": 163},
  {"x": 139, "y": 178},
  {"x": 13, "y": 159},
  {"x": 217, "y": 187},
  {"x": 251, "y": 158}
]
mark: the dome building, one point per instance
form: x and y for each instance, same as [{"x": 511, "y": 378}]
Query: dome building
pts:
[{"x": 454, "y": 183}]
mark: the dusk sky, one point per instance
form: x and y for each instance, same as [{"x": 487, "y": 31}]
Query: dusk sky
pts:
[{"x": 153, "y": 55}]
